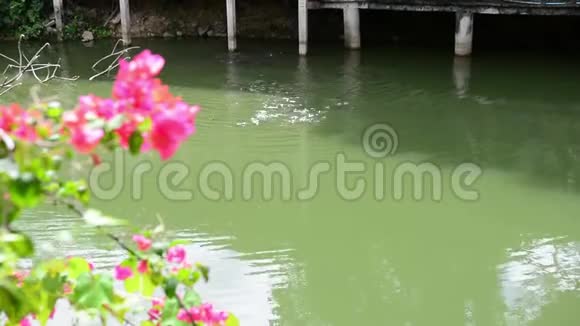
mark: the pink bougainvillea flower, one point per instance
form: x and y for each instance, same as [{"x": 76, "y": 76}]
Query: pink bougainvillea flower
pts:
[
  {"x": 20, "y": 277},
  {"x": 123, "y": 273},
  {"x": 154, "y": 314},
  {"x": 143, "y": 266},
  {"x": 183, "y": 265},
  {"x": 143, "y": 243},
  {"x": 10, "y": 116},
  {"x": 22, "y": 124},
  {"x": 211, "y": 316},
  {"x": 158, "y": 302},
  {"x": 26, "y": 321},
  {"x": 176, "y": 254},
  {"x": 140, "y": 105},
  {"x": 144, "y": 66},
  {"x": 85, "y": 139},
  {"x": 26, "y": 133},
  {"x": 190, "y": 315},
  {"x": 168, "y": 132},
  {"x": 204, "y": 313}
]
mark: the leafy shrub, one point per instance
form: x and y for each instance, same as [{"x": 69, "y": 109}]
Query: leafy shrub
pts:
[
  {"x": 22, "y": 17},
  {"x": 141, "y": 115}
]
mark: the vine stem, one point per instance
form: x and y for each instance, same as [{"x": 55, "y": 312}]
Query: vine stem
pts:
[
  {"x": 182, "y": 306},
  {"x": 78, "y": 208},
  {"x": 127, "y": 321}
]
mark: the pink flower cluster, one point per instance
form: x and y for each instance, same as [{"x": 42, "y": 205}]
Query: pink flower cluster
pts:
[
  {"x": 140, "y": 104},
  {"x": 175, "y": 255},
  {"x": 143, "y": 243},
  {"x": 20, "y": 123},
  {"x": 204, "y": 313},
  {"x": 157, "y": 306}
]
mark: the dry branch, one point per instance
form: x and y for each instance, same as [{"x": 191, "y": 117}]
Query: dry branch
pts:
[
  {"x": 24, "y": 65},
  {"x": 115, "y": 63}
]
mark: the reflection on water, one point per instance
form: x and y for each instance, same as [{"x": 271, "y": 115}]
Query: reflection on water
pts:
[
  {"x": 511, "y": 258},
  {"x": 461, "y": 75},
  {"x": 535, "y": 273}
]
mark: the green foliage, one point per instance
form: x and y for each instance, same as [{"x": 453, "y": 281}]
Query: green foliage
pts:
[
  {"x": 100, "y": 32},
  {"x": 22, "y": 17},
  {"x": 29, "y": 176},
  {"x": 27, "y": 17},
  {"x": 74, "y": 28},
  {"x": 93, "y": 291}
]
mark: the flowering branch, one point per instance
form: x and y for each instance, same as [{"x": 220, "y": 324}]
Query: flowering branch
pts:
[{"x": 141, "y": 115}]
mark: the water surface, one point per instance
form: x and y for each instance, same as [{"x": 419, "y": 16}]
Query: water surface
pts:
[{"x": 512, "y": 257}]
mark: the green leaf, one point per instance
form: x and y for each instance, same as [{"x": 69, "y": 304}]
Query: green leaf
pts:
[
  {"x": 204, "y": 271},
  {"x": 146, "y": 125},
  {"x": 4, "y": 150},
  {"x": 170, "y": 287},
  {"x": 169, "y": 315},
  {"x": 10, "y": 211},
  {"x": 140, "y": 283},
  {"x": 77, "y": 266},
  {"x": 92, "y": 291},
  {"x": 13, "y": 301},
  {"x": 26, "y": 190},
  {"x": 191, "y": 299},
  {"x": 54, "y": 111},
  {"x": 188, "y": 276},
  {"x": 96, "y": 218},
  {"x": 135, "y": 142},
  {"x": 232, "y": 320},
  {"x": 47, "y": 303},
  {"x": 77, "y": 190},
  {"x": 19, "y": 243},
  {"x": 52, "y": 283}
]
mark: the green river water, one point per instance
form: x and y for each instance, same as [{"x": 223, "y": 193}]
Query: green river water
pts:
[{"x": 509, "y": 256}]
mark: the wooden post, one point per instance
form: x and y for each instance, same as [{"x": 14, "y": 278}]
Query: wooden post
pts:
[
  {"x": 302, "y": 27},
  {"x": 231, "y": 16},
  {"x": 463, "y": 33},
  {"x": 351, "y": 27},
  {"x": 58, "y": 17},
  {"x": 125, "y": 21}
]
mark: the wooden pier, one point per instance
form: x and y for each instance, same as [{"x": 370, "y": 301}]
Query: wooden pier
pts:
[{"x": 465, "y": 10}]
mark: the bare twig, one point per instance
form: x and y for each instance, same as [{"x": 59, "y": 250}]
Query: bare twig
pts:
[
  {"x": 115, "y": 62},
  {"x": 23, "y": 65}
]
